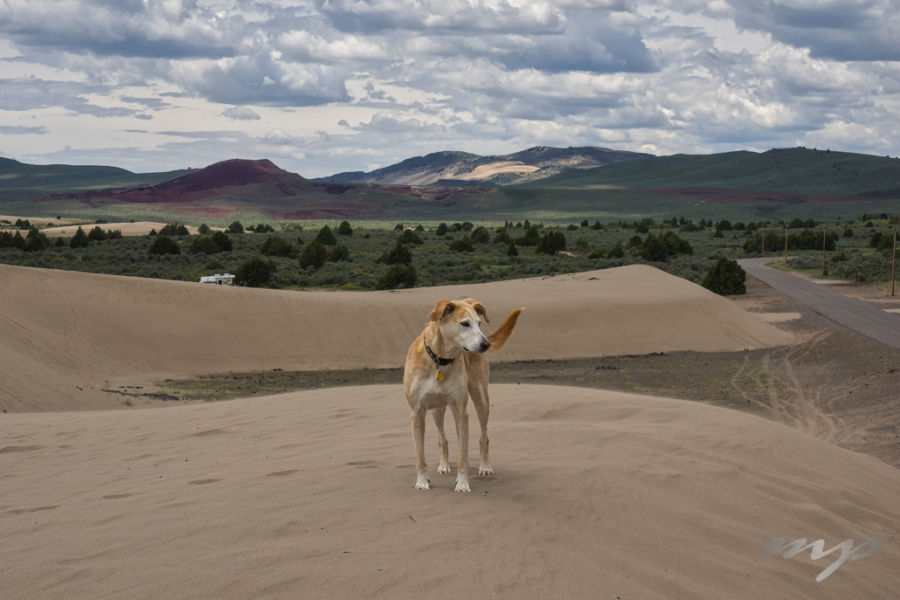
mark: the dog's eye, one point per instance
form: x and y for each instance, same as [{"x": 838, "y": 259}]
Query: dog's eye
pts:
[{"x": 465, "y": 324}]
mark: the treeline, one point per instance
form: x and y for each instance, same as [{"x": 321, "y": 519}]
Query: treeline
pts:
[{"x": 357, "y": 257}]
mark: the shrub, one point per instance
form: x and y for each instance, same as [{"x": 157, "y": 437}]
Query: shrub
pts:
[
  {"x": 811, "y": 240},
  {"x": 255, "y": 272},
  {"x": 278, "y": 246},
  {"x": 462, "y": 245},
  {"x": 511, "y": 250},
  {"x": 79, "y": 240},
  {"x": 725, "y": 277},
  {"x": 222, "y": 241},
  {"x": 551, "y": 243},
  {"x": 531, "y": 238},
  {"x": 314, "y": 255},
  {"x": 442, "y": 229},
  {"x": 326, "y": 236},
  {"x": 654, "y": 249},
  {"x": 203, "y": 245},
  {"x": 774, "y": 241},
  {"x": 236, "y": 227},
  {"x": 214, "y": 244},
  {"x": 398, "y": 255},
  {"x": 339, "y": 253},
  {"x": 203, "y": 229},
  {"x": 344, "y": 228},
  {"x": 173, "y": 229},
  {"x": 6, "y": 239},
  {"x": 409, "y": 237},
  {"x": 616, "y": 251},
  {"x": 676, "y": 244},
  {"x": 163, "y": 244},
  {"x": 264, "y": 228},
  {"x": 481, "y": 236},
  {"x": 398, "y": 276},
  {"x": 97, "y": 234},
  {"x": 502, "y": 237},
  {"x": 35, "y": 241}
]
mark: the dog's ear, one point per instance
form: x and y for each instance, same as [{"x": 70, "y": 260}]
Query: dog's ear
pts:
[
  {"x": 442, "y": 309},
  {"x": 481, "y": 310}
]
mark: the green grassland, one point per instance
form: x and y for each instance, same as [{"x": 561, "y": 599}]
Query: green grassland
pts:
[
  {"x": 22, "y": 183},
  {"x": 738, "y": 186},
  {"x": 796, "y": 170},
  {"x": 587, "y": 246}
]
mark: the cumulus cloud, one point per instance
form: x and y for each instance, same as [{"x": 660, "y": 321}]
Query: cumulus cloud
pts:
[
  {"x": 838, "y": 30},
  {"x": 476, "y": 16},
  {"x": 157, "y": 28},
  {"x": 365, "y": 80},
  {"x": 241, "y": 113},
  {"x": 263, "y": 79}
]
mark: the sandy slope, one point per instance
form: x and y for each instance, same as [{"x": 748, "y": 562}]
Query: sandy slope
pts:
[
  {"x": 309, "y": 495},
  {"x": 65, "y": 336},
  {"x": 129, "y": 228}
]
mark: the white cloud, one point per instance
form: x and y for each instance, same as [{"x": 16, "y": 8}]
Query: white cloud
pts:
[
  {"x": 241, "y": 113},
  {"x": 352, "y": 84}
]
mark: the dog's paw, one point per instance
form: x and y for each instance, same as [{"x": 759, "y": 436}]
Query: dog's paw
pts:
[
  {"x": 443, "y": 469},
  {"x": 422, "y": 483},
  {"x": 485, "y": 471},
  {"x": 462, "y": 485}
]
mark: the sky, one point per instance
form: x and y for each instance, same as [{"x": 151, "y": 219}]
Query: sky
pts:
[{"x": 325, "y": 86}]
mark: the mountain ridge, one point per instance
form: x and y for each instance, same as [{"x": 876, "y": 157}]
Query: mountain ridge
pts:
[{"x": 454, "y": 167}]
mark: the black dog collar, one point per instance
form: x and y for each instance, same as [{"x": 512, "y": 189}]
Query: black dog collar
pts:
[{"x": 439, "y": 362}]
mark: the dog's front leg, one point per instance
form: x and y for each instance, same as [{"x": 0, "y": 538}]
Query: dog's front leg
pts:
[
  {"x": 462, "y": 432},
  {"x": 418, "y": 425},
  {"x": 444, "y": 464}
]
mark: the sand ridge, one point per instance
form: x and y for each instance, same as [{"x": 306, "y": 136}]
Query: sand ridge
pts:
[
  {"x": 130, "y": 228},
  {"x": 310, "y": 494},
  {"x": 66, "y": 336}
]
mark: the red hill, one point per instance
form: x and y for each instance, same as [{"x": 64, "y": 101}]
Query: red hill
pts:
[
  {"x": 234, "y": 179},
  {"x": 234, "y": 172}
]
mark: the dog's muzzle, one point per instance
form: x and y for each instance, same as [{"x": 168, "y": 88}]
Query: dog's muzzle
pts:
[{"x": 481, "y": 348}]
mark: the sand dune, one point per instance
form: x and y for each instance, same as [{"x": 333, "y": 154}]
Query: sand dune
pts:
[
  {"x": 66, "y": 336},
  {"x": 129, "y": 228},
  {"x": 310, "y": 495}
]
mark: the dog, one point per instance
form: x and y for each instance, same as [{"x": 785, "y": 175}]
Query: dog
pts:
[{"x": 444, "y": 366}]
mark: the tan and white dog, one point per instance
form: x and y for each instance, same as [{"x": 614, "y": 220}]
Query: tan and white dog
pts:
[{"x": 444, "y": 366}]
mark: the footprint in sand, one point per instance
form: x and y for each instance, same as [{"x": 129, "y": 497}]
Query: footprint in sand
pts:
[{"x": 282, "y": 473}]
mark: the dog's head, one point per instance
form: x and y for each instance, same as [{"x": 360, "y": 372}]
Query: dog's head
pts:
[{"x": 460, "y": 322}]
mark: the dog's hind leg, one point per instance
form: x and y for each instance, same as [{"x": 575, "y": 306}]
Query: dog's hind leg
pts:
[
  {"x": 462, "y": 432},
  {"x": 444, "y": 465},
  {"x": 479, "y": 375},
  {"x": 417, "y": 417},
  {"x": 482, "y": 403}
]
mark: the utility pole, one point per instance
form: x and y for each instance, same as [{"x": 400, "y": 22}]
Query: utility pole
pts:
[
  {"x": 785, "y": 243},
  {"x": 894, "y": 263},
  {"x": 764, "y": 241},
  {"x": 823, "y": 254}
]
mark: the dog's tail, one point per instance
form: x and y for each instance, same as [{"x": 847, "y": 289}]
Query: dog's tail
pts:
[{"x": 499, "y": 337}]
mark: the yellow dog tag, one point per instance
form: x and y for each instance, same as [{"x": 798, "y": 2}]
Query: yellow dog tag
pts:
[{"x": 440, "y": 376}]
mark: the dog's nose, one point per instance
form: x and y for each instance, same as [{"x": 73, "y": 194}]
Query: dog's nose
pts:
[{"x": 485, "y": 345}]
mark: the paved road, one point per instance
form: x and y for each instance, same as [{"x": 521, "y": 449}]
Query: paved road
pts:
[{"x": 862, "y": 317}]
